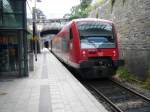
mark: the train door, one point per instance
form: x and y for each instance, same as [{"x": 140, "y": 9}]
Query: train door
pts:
[
  {"x": 74, "y": 44},
  {"x": 71, "y": 53}
]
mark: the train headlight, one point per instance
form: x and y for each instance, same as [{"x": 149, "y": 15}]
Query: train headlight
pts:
[
  {"x": 114, "y": 53},
  {"x": 84, "y": 53}
]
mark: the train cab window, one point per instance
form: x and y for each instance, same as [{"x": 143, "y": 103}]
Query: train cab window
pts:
[
  {"x": 71, "y": 34},
  {"x": 96, "y": 34}
]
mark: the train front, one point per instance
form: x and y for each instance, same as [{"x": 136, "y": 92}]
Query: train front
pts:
[{"x": 99, "y": 56}]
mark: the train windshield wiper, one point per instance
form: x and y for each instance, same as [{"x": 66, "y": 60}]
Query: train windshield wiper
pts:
[
  {"x": 86, "y": 40},
  {"x": 93, "y": 43}
]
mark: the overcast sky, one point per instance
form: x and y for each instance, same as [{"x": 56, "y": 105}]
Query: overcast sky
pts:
[{"x": 53, "y": 8}]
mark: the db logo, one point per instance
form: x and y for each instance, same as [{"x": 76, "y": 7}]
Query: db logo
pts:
[{"x": 100, "y": 53}]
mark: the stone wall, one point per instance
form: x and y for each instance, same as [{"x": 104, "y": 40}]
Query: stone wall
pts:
[{"x": 132, "y": 20}]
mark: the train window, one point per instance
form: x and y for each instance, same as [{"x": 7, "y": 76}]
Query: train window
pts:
[
  {"x": 94, "y": 27},
  {"x": 96, "y": 34},
  {"x": 71, "y": 34}
]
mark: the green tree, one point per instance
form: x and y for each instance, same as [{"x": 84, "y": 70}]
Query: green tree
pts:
[{"x": 80, "y": 11}]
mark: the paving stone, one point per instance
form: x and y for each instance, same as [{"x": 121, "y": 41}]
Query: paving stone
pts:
[{"x": 59, "y": 91}]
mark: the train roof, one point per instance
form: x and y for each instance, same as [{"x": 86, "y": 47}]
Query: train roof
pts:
[{"x": 92, "y": 19}]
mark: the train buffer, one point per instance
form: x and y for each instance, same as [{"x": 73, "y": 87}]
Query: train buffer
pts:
[{"x": 49, "y": 88}]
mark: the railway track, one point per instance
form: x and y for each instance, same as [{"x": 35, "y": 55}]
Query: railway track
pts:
[{"x": 119, "y": 97}]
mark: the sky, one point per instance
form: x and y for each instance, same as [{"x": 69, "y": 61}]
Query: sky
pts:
[{"x": 52, "y": 8}]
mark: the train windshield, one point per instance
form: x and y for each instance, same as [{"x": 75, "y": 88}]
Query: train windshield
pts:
[{"x": 96, "y": 34}]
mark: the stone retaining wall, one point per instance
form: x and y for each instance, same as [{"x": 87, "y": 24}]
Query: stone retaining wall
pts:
[{"x": 132, "y": 20}]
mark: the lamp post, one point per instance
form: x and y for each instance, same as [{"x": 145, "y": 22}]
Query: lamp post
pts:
[
  {"x": 35, "y": 29},
  {"x": 34, "y": 34}
]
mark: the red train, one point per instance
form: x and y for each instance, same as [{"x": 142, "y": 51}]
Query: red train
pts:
[{"x": 88, "y": 45}]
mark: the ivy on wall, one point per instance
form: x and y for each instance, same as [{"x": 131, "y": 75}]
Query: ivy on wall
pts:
[
  {"x": 97, "y": 14},
  {"x": 112, "y": 4},
  {"x": 123, "y": 1}
]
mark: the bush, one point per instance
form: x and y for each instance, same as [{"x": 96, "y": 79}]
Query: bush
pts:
[{"x": 123, "y": 73}]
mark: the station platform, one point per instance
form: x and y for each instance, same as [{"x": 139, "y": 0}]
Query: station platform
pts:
[{"x": 49, "y": 88}]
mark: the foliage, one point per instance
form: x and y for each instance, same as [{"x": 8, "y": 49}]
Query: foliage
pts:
[
  {"x": 125, "y": 75},
  {"x": 112, "y": 2},
  {"x": 97, "y": 15},
  {"x": 147, "y": 81},
  {"x": 97, "y": 4},
  {"x": 124, "y": 1},
  {"x": 80, "y": 11},
  {"x": 100, "y": 2}
]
